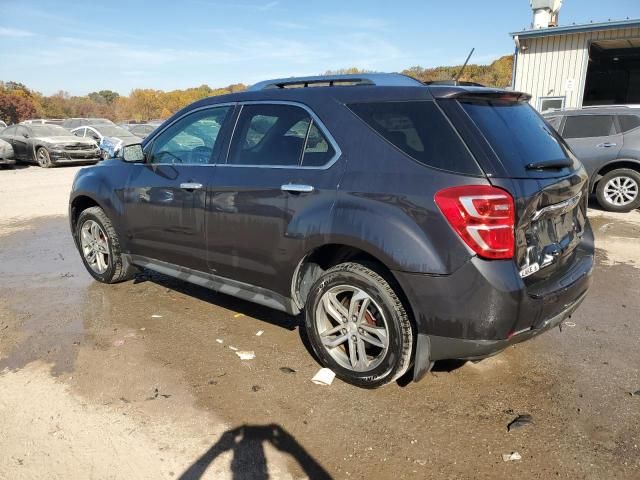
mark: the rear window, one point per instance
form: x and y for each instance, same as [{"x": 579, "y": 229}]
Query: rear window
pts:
[
  {"x": 421, "y": 131},
  {"x": 629, "y": 122},
  {"x": 587, "y": 126},
  {"x": 517, "y": 134}
]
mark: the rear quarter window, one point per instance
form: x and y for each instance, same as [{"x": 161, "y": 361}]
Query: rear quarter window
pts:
[
  {"x": 629, "y": 122},
  {"x": 420, "y": 130}
]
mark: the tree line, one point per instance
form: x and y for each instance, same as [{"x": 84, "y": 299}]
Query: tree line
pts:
[{"x": 18, "y": 102}]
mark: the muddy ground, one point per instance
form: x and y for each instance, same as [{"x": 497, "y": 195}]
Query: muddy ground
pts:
[{"x": 131, "y": 381}]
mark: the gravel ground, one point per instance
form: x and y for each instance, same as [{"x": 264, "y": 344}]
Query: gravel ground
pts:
[{"x": 140, "y": 379}]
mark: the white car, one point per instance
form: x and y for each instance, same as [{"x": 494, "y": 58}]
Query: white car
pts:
[{"x": 110, "y": 138}]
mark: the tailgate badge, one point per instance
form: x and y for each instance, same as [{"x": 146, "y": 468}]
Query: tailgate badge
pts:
[{"x": 529, "y": 270}]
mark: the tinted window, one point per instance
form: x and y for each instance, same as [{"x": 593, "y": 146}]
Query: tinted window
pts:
[
  {"x": 629, "y": 122},
  {"x": 517, "y": 134},
  {"x": 190, "y": 140},
  {"x": 318, "y": 151},
  {"x": 269, "y": 135},
  {"x": 420, "y": 130},
  {"x": 585, "y": 126}
]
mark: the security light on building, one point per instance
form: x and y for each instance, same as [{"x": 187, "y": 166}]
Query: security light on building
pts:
[{"x": 577, "y": 65}]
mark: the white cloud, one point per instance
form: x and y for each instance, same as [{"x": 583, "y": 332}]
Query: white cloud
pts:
[{"x": 14, "y": 32}]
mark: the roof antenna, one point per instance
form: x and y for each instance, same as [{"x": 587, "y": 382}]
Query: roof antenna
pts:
[{"x": 457, "y": 77}]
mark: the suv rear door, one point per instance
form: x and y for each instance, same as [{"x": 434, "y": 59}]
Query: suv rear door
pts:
[
  {"x": 594, "y": 138},
  {"x": 281, "y": 161}
]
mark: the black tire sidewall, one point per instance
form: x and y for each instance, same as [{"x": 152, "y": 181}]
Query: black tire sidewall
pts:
[
  {"x": 108, "y": 275},
  {"x": 624, "y": 172},
  {"x": 392, "y": 361}
]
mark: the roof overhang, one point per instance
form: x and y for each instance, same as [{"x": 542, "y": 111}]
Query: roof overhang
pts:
[{"x": 581, "y": 28}]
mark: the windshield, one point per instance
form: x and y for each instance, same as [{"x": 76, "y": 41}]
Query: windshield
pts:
[
  {"x": 49, "y": 131},
  {"x": 518, "y": 135},
  {"x": 113, "y": 131}
]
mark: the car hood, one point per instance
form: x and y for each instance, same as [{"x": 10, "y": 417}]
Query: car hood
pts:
[{"x": 66, "y": 140}]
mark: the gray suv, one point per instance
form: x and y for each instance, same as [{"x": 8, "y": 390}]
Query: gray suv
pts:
[
  {"x": 607, "y": 142},
  {"x": 405, "y": 223}
]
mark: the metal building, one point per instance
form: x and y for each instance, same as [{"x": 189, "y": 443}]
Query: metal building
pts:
[{"x": 577, "y": 65}]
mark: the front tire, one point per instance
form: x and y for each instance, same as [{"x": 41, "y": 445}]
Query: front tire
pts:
[
  {"x": 99, "y": 247},
  {"x": 619, "y": 190},
  {"x": 358, "y": 327},
  {"x": 43, "y": 158}
]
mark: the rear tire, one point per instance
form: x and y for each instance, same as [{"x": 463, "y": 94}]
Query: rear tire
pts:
[
  {"x": 355, "y": 310},
  {"x": 99, "y": 247},
  {"x": 43, "y": 158},
  {"x": 619, "y": 190}
]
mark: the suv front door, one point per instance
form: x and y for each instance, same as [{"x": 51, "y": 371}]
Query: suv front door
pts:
[
  {"x": 593, "y": 138},
  {"x": 165, "y": 198},
  {"x": 281, "y": 163}
]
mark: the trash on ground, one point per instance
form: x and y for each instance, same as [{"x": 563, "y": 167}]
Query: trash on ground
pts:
[
  {"x": 287, "y": 370},
  {"x": 256, "y": 388},
  {"x": 118, "y": 343},
  {"x": 219, "y": 340},
  {"x": 635, "y": 394},
  {"x": 156, "y": 394},
  {"x": 231, "y": 347},
  {"x": 238, "y": 315},
  {"x": 520, "y": 421},
  {"x": 511, "y": 457},
  {"x": 569, "y": 324},
  {"x": 324, "y": 377},
  {"x": 142, "y": 329},
  {"x": 246, "y": 355},
  {"x": 156, "y": 316},
  {"x": 259, "y": 333}
]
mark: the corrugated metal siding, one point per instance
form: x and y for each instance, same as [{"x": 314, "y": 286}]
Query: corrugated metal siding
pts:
[{"x": 548, "y": 62}]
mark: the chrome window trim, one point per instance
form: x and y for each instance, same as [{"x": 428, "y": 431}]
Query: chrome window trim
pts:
[{"x": 316, "y": 120}]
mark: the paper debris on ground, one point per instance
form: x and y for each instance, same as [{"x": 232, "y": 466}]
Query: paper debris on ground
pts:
[
  {"x": 231, "y": 347},
  {"x": 324, "y": 377},
  {"x": 156, "y": 316},
  {"x": 238, "y": 315},
  {"x": 246, "y": 355},
  {"x": 259, "y": 333},
  {"x": 219, "y": 340},
  {"x": 511, "y": 457}
]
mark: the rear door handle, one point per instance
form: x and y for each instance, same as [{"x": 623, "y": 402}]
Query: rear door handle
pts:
[
  {"x": 191, "y": 186},
  {"x": 296, "y": 188},
  {"x": 606, "y": 145}
]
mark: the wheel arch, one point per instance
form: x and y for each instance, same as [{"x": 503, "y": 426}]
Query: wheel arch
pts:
[
  {"x": 77, "y": 205},
  {"x": 617, "y": 164}
]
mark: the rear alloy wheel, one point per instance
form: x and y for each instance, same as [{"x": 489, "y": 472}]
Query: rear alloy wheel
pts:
[
  {"x": 358, "y": 326},
  {"x": 43, "y": 158},
  {"x": 619, "y": 190}
]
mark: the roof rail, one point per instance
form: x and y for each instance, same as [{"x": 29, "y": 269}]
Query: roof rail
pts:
[
  {"x": 630, "y": 105},
  {"x": 367, "y": 79}
]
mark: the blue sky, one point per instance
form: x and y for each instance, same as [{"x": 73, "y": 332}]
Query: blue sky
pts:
[{"x": 86, "y": 46}]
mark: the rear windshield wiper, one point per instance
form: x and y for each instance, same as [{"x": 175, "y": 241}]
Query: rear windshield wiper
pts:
[{"x": 550, "y": 164}]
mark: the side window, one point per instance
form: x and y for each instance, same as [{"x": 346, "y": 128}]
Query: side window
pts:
[
  {"x": 554, "y": 122},
  {"x": 92, "y": 134},
  {"x": 420, "y": 130},
  {"x": 586, "y": 126},
  {"x": 629, "y": 122},
  {"x": 191, "y": 140},
  {"x": 268, "y": 134},
  {"x": 318, "y": 151},
  {"x": 79, "y": 132}
]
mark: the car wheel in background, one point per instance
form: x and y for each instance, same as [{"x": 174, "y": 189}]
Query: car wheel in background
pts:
[
  {"x": 358, "y": 326},
  {"x": 43, "y": 158},
  {"x": 99, "y": 247},
  {"x": 619, "y": 190}
]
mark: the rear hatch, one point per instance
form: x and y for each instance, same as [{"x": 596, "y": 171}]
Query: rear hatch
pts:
[{"x": 522, "y": 154}]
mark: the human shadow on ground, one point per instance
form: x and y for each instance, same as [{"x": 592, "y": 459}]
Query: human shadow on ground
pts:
[{"x": 249, "y": 459}]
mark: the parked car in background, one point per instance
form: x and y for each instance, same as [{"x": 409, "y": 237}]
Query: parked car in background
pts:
[
  {"x": 2, "y": 124},
  {"x": 6, "y": 154},
  {"x": 453, "y": 225},
  {"x": 49, "y": 145},
  {"x": 607, "y": 142},
  {"x": 71, "y": 123},
  {"x": 110, "y": 138},
  {"x": 42, "y": 121},
  {"x": 141, "y": 130}
]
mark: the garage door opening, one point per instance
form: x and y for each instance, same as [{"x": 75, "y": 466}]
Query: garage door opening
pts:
[{"x": 613, "y": 76}]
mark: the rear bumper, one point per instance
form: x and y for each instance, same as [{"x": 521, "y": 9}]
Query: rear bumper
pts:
[{"x": 485, "y": 306}]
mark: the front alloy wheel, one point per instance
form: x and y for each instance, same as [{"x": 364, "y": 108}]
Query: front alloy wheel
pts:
[
  {"x": 95, "y": 246},
  {"x": 43, "y": 158}
]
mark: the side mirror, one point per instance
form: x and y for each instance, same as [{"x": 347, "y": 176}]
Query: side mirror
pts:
[
  {"x": 25, "y": 135},
  {"x": 132, "y": 153}
]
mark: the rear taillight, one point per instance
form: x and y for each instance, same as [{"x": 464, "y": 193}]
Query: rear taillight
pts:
[{"x": 483, "y": 216}]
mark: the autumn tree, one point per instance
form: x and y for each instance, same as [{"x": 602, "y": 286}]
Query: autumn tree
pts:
[{"x": 15, "y": 108}]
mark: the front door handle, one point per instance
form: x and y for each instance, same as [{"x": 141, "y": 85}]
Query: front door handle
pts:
[
  {"x": 606, "y": 145},
  {"x": 191, "y": 186},
  {"x": 296, "y": 188}
]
